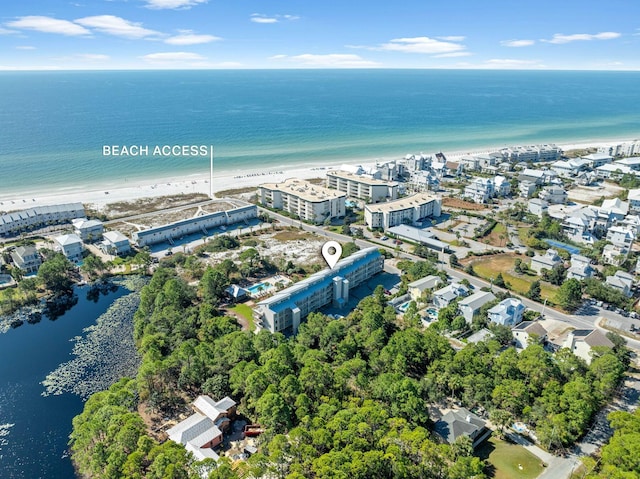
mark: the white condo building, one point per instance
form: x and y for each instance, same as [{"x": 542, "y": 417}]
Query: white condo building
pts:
[
  {"x": 284, "y": 310},
  {"x": 362, "y": 187},
  {"x": 405, "y": 210},
  {"x": 18, "y": 221},
  {"x": 309, "y": 202}
]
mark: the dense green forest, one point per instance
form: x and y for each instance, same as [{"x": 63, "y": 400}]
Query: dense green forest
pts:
[{"x": 345, "y": 398}]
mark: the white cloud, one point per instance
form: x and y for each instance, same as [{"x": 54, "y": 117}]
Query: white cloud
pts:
[
  {"x": 25, "y": 47},
  {"x": 452, "y": 55},
  {"x": 48, "y": 25},
  {"x": 509, "y": 63},
  {"x": 6, "y": 31},
  {"x": 452, "y": 38},
  {"x": 94, "y": 57},
  {"x": 517, "y": 43},
  {"x": 331, "y": 60},
  {"x": 559, "y": 38},
  {"x": 261, "y": 18},
  {"x": 173, "y": 57},
  {"x": 189, "y": 38},
  {"x": 172, "y": 4},
  {"x": 117, "y": 26},
  {"x": 424, "y": 45}
]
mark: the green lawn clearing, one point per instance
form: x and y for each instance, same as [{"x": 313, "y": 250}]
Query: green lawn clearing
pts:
[
  {"x": 488, "y": 267},
  {"x": 246, "y": 312},
  {"x": 509, "y": 461}
]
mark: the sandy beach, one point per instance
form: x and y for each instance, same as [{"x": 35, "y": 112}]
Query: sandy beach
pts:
[{"x": 99, "y": 195}]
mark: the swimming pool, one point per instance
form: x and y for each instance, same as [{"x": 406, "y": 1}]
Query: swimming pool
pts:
[
  {"x": 403, "y": 307},
  {"x": 258, "y": 288}
]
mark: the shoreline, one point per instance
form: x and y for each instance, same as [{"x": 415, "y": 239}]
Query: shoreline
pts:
[{"x": 98, "y": 195}]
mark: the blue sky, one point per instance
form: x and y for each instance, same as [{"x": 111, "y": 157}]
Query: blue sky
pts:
[{"x": 156, "y": 34}]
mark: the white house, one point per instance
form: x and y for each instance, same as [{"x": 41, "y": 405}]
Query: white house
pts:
[
  {"x": 26, "y": 258},
  {"x": 419, "y": 286},
  {"x": 620, "y": 236},
  {"x": 525, "y": 332},
  {"x": 115, "y": 243},
  {"x": 470, "y": 306},
  {"x": 613, "y": 170},
  {"x": 634, "y": 201},
  {"x": 88, "y": 230},
  {"x": 70, "y": 246},
  {"x": 618, "y": 208},
  {"x": 554, "y": 195},
  {"x": 538, "y": 207},
  {"x": 545, "y": 261},
  {"x": 580, "y": 268},
  {"x": 621, "y": 281},
  {"x": 480, "y": 190},
  {"x": 582, "y": 341},
  {"x": 598, "y": 159},
  {"x": 507, "y": 312},
  {"x": 445, "y": 296}
]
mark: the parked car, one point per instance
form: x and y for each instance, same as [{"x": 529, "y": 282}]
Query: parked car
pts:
[{"x": 384, "y": 238}]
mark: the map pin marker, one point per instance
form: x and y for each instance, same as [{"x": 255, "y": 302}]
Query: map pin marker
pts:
[{"x": 331, "y": 257}]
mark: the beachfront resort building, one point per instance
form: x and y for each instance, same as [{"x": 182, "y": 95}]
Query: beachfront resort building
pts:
[
  {"x": 284, "y": 310},
  {"x": 507, "y": 312},
  {"x": 15, "y": 223},
  {"x": 363, "y": 187},
  {"x": 305, "y": 200},
  {"x": 200, "y": 224},
  {"x": 115, "y": 243},
  {"x": 410, "y": 209},
  {"x": 88, "y": 230},
  {"x": 203, "y": 430},
  {"x": 70, "y": 246},
  {"x": 582, "y": 341},
  {"x": 531, "y": 153},
  {"x": 26, "y": 258}
]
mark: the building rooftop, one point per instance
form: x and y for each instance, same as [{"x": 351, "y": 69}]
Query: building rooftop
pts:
[
  {"x": 304, "y": 190},
  {"x": 592, "y": 337},
  {"x": 114, "y": 237},
  {"x": 347, "y": 175},
  {"x": 461, "y": 422},
  {"x": 427, "y": 282},
  {"x": 402, "y": 203},
  {"x": 66, "y": 240},
  {"x": 531, "y": 327},
  {"x": 476, "y": 300}
]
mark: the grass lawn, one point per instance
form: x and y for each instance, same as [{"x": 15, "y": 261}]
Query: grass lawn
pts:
[
  {"x": 488, "y": 267},
  {"x": 509, "y": 461},
  {"x": 292, "y": 234},
  {"x": 246, "y": 312}
]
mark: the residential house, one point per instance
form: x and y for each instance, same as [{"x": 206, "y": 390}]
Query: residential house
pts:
[
  {"x": 203, "y": 430},
  {"x": 419, "y": 286},
  {"x": 622, "y": 281},
  {"x": 115, "y": 243},
  {"x": 632, "y": 163},
  {"x": 507, "y": 312},
  {"x": 445, "y": 296},
  {"x": 634, "y": 201},
  {"x": 554, "y": 195},
  {"x": 538, "y": 207},
  {"x": 570, "y": 167},
  {"x": 580, "y": 268},
  {"x": 621, "y": 237},
  {"x": 613, "y": 170},
  {"x": 26, "y": 258},
  {"x": 237, "y": 293},
  {"x": 612, "y": 254},
  {"x": 582, "y": 341},
  {"x": 462, "y": 422},
  {"x": 480, "y": 190},
  {"x": 470, "y": 306},
  {"x": 70, "y": 246},
  {"x": 618, "y": 208},
  {"x": 423, "y": 181},
  {"x": 88, "y": 230},
  {"x": 527, "y": 332},
  {"x": 502, "y": 186},
  {"x": 545, "y": 261}
]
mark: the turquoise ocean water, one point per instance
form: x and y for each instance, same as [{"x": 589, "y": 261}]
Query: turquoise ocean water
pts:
[{"x": 53, "y": 124}]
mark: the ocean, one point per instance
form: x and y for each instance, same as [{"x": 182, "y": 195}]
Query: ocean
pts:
[{"x": 53, "y": 125}]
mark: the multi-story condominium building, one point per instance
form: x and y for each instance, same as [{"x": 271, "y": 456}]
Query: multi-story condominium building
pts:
[
  {"x": 532, "y": 153},
  {"x": 361, "y": 186},
  {"x": 88, "y": 230},
  {"x": 199, "y": 224},
  {"x": 309, "y": 202},
  {"x": 621, "y": 149},
  {"x": 115, "y": 243},
  {"x": 507, "y": 312},
  {"x": 26, "y": 258},
  {"x": 404, "y": 210},
  {"x": 19, "y": 221},
  {"x": 285, "y": 310},
  {"x": 70, "y": 246},
  {"x": 581, "y": 342},
  {"x": 598, "y": 159}
]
